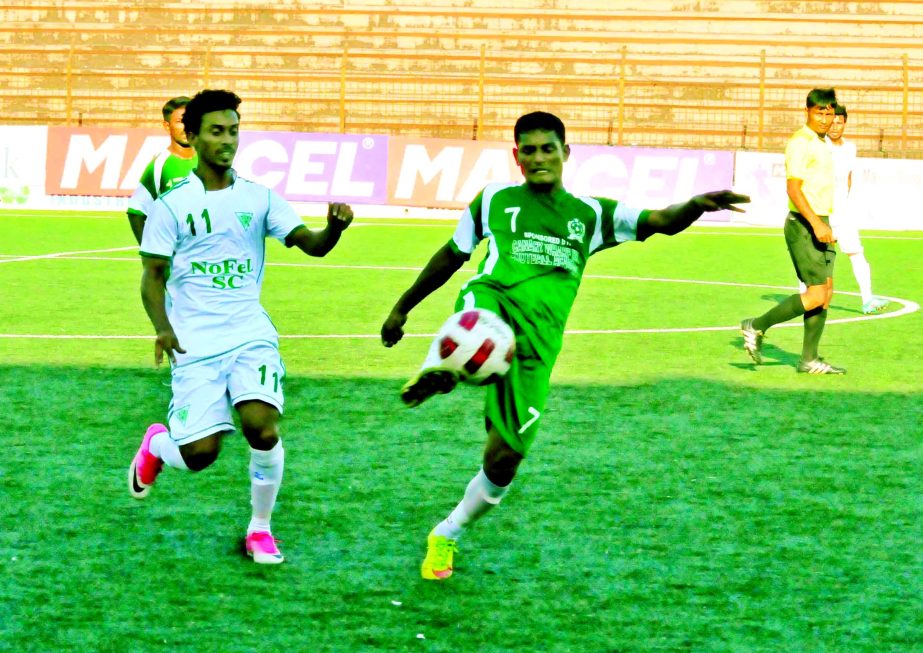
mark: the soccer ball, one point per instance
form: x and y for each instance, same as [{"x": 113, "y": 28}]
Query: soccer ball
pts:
[{"x": 477, "y": 344}]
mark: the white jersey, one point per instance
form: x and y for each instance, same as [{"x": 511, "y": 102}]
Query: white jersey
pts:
[
  {"x": 215, "y": 241},
  {"x": 844, "y": 162}
]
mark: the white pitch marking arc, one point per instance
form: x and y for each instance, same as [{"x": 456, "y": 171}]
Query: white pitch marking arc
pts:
[
  {"x": 38, "y": 257},
  {"x": 907, "y": 307}
]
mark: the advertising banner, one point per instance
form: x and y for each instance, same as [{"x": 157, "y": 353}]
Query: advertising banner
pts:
[
  {"x": 443, "y": 173},
  {"x": 52, "y": 167},
  {"x": 317, "y": 167},
  {"x": 449, "y": 173},
  {"x": 647, "y": 177},
  {"x": 99, "y": 160},
  {"x": 22, "y": 165},
  {"x": 885, "y": 192},
  {"x": 301, "y": 167}
]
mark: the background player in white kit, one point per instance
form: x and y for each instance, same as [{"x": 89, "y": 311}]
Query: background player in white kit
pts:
[
  {"x": 210, "y": 230},
  {"x": 845, "y": 218}
]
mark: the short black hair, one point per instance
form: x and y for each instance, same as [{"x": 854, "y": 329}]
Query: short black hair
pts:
[
  {"x": 819, "y": 97},
  {"x": 840, "y": 110},
  {"x": 208, "y": 101},
  {"x": 539, "y": 120},
  {"x": 173, "y": 105}
]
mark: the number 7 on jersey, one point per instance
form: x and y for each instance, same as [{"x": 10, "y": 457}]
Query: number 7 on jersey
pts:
[{"x": 513, "y": 211}]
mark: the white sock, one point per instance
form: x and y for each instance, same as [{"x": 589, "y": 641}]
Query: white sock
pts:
[
  {"x": 163, "y": 446},
  {"x": 863, "y": 273},
  {"x": 480, "y": 496},
  {"x": 802, "y": 289},
  {"x": 265, "y": 478}
]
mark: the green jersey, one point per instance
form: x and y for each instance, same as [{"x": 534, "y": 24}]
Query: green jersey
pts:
[
  {"x": 537, "y": 249},
  {"x": 165, "y": 170}
]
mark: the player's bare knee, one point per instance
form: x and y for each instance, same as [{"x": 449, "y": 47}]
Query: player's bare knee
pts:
[
  {"x": 263, "y": 437},
  {"x": 500, "y": 466},
  {"x": 814, "y": 297},
  {"x": 196, "y": 461},
  {"x": 260, "y": 423}
]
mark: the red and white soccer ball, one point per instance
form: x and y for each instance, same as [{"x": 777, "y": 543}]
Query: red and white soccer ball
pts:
[{"x": 478, "y": 345}]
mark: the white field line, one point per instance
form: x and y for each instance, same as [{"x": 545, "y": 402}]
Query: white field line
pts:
[
  {"x": 20, "y": 259},
  {"x": 697, "y": 230},
  {"x": 907, "y": 307},
  {"x": 718, "y": 232}
]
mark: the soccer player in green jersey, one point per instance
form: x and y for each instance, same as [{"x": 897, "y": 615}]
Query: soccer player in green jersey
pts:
[
  {"x": 539, "y": 238},
  {"x": 166, "y": 169},
  {"x": 810, "y": 182}
]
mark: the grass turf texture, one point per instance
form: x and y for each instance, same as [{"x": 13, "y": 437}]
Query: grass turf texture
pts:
[{"x": 677, "y": 498}]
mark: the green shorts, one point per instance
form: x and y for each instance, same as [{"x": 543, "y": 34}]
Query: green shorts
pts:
[
  {"x": 813, "y": 260},
  {"x": 514, "y": 405}
]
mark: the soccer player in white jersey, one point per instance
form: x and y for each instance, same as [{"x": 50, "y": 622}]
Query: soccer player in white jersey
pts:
[
  {"x": 210, "y": 231},
  {"x": 167, "y": 168},
  {"x": 844, "y": 220}
]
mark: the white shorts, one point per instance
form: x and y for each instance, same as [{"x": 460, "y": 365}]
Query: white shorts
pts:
[
  {"x": 204, "y": 392},
  {"x": 845, "y": 228}
]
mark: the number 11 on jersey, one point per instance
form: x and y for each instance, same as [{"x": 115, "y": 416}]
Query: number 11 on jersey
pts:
[{"x": 191, "y": 222}]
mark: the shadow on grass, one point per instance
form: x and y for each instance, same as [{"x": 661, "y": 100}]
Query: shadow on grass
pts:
[
  {"x": 778, "y": 297},
  {"x": 684, "y": 501},
  {"x": 773, "y": 356}
]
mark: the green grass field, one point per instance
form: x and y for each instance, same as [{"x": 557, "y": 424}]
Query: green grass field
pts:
[{"x": 677, "y": 499}]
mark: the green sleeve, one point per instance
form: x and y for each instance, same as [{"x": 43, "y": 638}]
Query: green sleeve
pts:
[{"x": 147, "y": 180}]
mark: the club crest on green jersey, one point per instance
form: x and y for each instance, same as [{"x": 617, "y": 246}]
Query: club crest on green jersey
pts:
[
  {"x": 575, "y": 230},
  {"x": 245, "y": 219}
]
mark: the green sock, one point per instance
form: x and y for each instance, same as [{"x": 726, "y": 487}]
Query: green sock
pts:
[
  {"x": 814, "y": 321},
  {"x": 782, "y": 312}
]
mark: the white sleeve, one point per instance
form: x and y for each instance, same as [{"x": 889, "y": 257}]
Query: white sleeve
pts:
[
  {"x": 141, "y": 201},
  {"x": 281, "y": 219},
  {"x": 625, "y": 223},
  {"x": 161, "y": 232},
  {"x": 465, "y": 238}
]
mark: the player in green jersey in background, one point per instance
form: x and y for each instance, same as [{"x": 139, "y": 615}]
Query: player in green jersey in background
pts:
[
  {"x": 167, "y": 168},
  {"x": 539, "y": 238}
]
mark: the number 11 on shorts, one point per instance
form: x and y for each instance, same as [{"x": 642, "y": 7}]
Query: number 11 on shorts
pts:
[{"x": 275, "y": 378}]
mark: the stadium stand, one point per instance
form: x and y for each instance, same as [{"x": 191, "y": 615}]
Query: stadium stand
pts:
[{"x": 730, "y": 74}]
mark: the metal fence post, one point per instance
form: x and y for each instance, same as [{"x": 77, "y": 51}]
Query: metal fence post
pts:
[
  {"x": 69, "y": 89},
  {"x": 481, "y": 72},
  {"x": 906, "y": 102},
  {"x": 207, "y": 68},
  {"x": 622, "y": 94},
  {"x": 762, "y": 111},
  {"x": 343, "y": 66}
]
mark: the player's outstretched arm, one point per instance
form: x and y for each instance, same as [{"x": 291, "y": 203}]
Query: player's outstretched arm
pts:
[
  {"x": 677, "y": 217},
  {"x": 440, "y": 268},
  {"x": 319, "y": 242},
  {"x": 153, "y": 295}
]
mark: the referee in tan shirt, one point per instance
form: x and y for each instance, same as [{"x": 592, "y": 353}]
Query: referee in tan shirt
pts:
[{"x": 810, "y": 182}]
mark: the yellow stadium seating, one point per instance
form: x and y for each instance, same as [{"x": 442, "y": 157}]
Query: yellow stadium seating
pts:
[{"x": 730, "y": 74}]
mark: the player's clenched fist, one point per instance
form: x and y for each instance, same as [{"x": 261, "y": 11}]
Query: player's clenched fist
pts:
[
  {"x": 392, "y": 330},
  {"x": 339, "y": 215}
]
